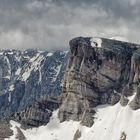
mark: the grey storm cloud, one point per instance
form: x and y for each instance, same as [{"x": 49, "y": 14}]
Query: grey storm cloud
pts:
[{"x": 50, "y": 24}]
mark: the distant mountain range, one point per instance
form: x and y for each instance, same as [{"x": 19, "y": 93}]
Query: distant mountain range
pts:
[
  {"x": 27, "y": 76},
  {"x": 91, "y": 92}
]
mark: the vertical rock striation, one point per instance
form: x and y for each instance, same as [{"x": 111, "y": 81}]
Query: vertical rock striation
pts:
[{"x": 99, "y": 71}]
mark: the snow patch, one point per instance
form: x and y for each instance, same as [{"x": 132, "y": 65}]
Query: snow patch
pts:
[
  {"x": 40, "y": 75},
  {"x": 11, "y": 88},
  {"x": 18, "y": 71},
  {"x": 54, "y": 130},
  {"x": 33, "y": 64},
  {"x": 1, "y": 53},
  {"x": 109, "y": 123},
  {"x": 64, "y": 52},
  {"x": 7, "y": 77},
  {"x": 57, "y": 71},
  {"x": 49, "y": 54},
  {"x": 130, "y": 98},
  {"x": 18, "y": 58},
  {"x": 96, "y": 42},
  {"x": 120, "y": 38},
  {"x": 9, "y": 97},
  {"x": 26, "y": 57},
  {"x": 9, "y": 66},
  {"x": 14, "y": 129},
  {"x": 40, "y": 51},
  {"x": 11, "y": 53}
]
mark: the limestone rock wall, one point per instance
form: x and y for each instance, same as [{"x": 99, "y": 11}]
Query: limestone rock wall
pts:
[{"x": 99, "y": 71}]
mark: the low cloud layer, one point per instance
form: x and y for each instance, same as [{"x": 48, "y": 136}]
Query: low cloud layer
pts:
[{"x": 50, "y": 24}]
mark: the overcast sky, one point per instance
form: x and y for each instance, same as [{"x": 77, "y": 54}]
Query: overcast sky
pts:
[{"x": 50, "y": 24}]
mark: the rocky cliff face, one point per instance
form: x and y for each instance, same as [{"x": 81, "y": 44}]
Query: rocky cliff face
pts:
[
  {"x": 26, "y": 77},
  {"x": 38, "y": 113},
  {"x": 101, "y": 81},
  {"x": 99, "y": 71}
]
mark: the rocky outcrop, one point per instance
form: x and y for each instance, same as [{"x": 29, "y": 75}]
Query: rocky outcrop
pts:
[
  {"x": 5, "y": 131},
  {"x": 123, "y": 136},
  {"x": 135, "y": 103},
  {"x": 77, "y": 135},
  {"x": 99, "y": 71},
  {"x": 37, "y": 114},
  {"x": 124, "y": 101},
  {"x": 20, "y": 135}
]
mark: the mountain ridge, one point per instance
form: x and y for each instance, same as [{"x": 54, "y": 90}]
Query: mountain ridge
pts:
[
  {"x": 27, "y": 76},
  {"x": 99, "y": 97}
]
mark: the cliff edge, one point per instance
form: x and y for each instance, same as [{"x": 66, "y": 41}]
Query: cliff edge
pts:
[{"x": 100, "y": 71}]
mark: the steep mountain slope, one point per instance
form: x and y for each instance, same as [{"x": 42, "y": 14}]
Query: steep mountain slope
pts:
[
  {"x": 110, "y": 123},
  {"x": 29, "y": 76},
  {"x": 100, "y": 95},
  {"x": 100, "y": 71}
]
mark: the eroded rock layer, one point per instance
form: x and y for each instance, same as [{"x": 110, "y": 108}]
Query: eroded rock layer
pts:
[
  {"x": 99, "y": 71},
  {"x": 38, "y": 113}
]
